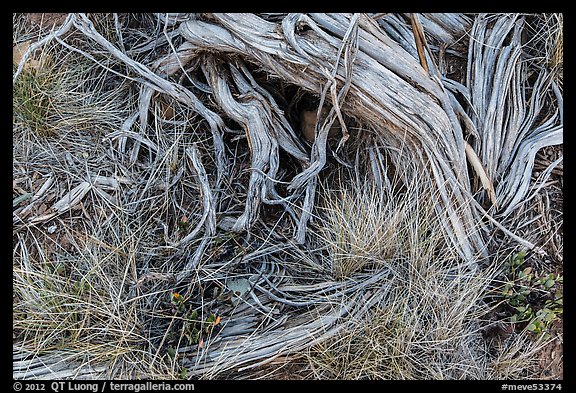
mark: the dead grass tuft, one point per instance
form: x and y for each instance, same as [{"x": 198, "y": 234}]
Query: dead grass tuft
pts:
[
  {"x": 112, "y": 216},
  {"x": 432, "y": 315}
]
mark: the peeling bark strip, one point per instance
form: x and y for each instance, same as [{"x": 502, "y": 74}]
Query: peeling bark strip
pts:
[
  {"x": 208, "y": 219},
  {"x": 266, "y": 130}
]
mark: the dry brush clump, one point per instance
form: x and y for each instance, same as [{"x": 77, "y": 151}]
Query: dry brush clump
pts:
[
  {"x": 171, "y": 219},
  {"x": 425, "y": 323},
  {"x": 431, "y": 317}
]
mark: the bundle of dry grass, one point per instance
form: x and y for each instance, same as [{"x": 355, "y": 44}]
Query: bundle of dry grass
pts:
[{"x": 173, "y": 221}]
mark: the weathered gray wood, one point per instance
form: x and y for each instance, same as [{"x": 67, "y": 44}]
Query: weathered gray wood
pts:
[
  {"x": 509, "y": 135},
  {"x": 362, "y": 68},
  {"x": 389, "y": 90},
  {"x": 55, "y": 365}
]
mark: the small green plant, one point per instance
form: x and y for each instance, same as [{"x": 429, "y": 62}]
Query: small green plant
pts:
[
  {"x": 183, "y": 373},
  {"x": 60, "y": 91},
  {"x": 32, "y": 100},
  {"x": 189, "y": 323},
  {"x": 536, "y": 300}
]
